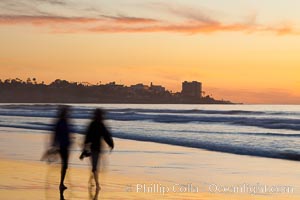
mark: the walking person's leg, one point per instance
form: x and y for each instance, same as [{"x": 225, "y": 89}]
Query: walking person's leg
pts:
[
  {"x": 64, "y": 166},
  {"x": 95, "y": 159}
]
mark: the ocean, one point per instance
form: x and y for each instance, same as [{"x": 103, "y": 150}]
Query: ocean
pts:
[{"x": 271, "y": 131}]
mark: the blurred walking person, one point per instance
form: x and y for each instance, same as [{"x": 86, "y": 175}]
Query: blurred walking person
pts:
[
  {"x": 61, "y": 140},
  {"x": 95, "y": 133}
]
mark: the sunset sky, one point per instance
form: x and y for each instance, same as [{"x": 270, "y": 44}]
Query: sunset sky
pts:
[{"x": 245, "y": 51}]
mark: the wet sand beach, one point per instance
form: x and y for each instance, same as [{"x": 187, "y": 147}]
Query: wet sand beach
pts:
[{"x": 139, "y": 170}]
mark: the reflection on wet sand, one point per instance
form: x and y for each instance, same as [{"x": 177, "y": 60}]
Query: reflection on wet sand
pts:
[{"x": 52, "y": 192}]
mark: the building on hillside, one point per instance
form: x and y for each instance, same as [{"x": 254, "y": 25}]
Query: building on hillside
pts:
[
  {"x": 157, "y": 88},
  {"x": 191, "y": 89}
]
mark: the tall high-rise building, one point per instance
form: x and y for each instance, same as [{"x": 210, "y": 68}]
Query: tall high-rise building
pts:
[{"x": 191, "y": 89}]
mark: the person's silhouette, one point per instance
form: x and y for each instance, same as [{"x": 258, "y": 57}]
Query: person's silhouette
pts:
[
  {"x": 61, "y": 195},
  {"x": 61, "y": 140},
  {"x": 93, "y": 195},
  {"x": 95, "y": 133}
]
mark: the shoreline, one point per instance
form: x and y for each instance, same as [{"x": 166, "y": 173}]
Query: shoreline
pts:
[
  {"x": 40, "y": 181},
  {"x": 286, "y": 157},
  {"x": 139, "y": 164}
]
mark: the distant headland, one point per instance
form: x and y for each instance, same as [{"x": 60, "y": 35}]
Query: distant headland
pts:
[{"x": 62, "y": 91}]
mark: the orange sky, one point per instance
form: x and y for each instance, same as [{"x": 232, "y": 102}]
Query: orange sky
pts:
[{"x": 250, "y": 56}]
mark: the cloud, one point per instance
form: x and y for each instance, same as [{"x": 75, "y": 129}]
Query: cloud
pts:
[
  {"x": 45, "y": 19},
  {"x": 284, "y": 29},
  {"x": 187, "y": 21},
  {"x": 54, "y": 2},
  {"x": 42, "y": 20},
  {"x": 193, "y": 28},
  {"x": 130, "y": 20},
  {"x": 124, "y": 24},
  {"x": 200, "y": 15},
  {"x": 188, "y": 27}
]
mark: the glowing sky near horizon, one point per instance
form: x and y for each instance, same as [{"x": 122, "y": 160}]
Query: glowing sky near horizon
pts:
[{"x": 244, "y": 51}]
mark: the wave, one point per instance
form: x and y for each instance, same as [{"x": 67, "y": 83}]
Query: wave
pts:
[
  {"x": 232, "y": 117},
  {"x": 53, "y": 107},
  {"x": 211, "y": 146},
  {"x": 273, "y": 134},
  {"x": 243, "y": 133},
  {"x": 80, "y": 128},
  {"x": 225, "y": 147}
]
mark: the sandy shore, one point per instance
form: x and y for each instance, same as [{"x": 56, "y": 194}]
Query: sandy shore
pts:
[
  {"x": 139, "y": 170},
  {"x": 26, "y": 180}
]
